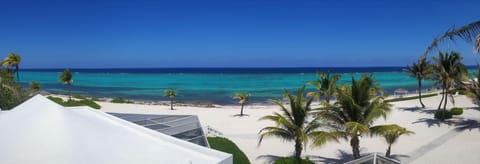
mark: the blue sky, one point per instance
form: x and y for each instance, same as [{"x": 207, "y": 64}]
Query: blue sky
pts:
[{"x": 261, "y": 33}]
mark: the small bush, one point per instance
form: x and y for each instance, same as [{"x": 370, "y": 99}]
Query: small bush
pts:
[
  {"x": 227, "y": 146},
  {"x": 77, "y": 96},
  {"x": 94, "y": 99},
  {"x": 121, "y": 100},
  {"x": 72, "y": 103},
  {"x": 442, "y": 114},
  {"x": 456, "y": 111},
  {"x": 291, "y": 160}
]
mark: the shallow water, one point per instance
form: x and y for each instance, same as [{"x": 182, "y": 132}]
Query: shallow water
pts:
[{"x": 206, "y": 85}]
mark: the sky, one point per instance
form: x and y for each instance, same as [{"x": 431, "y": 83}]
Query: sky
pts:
[{"x": 227, "y": 33}]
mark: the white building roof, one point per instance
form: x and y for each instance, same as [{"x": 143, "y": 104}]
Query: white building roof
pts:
[{"x": 41, "y": 131}]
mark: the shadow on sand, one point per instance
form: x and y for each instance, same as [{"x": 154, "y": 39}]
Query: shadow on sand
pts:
[{"x": 419, "y": 110}]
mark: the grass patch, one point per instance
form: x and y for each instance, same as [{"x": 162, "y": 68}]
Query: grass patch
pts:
[
  {"x": 77, "y": 96},
  {"x": 121, "y": 100},
  {"x": 291, "y": 160},
  {"x": 227, "y": 146},
  {"x": 410, "y": 98},
  {"x": 72, "y": 103}
]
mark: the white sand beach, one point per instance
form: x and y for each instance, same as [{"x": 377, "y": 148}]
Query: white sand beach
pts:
[{"x": 434, "y": 142}]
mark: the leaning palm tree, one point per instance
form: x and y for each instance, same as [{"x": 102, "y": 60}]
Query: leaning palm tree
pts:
[
  {"x": 170, "y": 93},
  {"x": 67, "y": 78},
  {"x": 242, "y": 99},
  {"x": 356, "y": 109},
  {"x": 13, "y": 60},
  {"x": 448, "y": 70},
  {"x": 390, "y": 133},
  {"x": 469, "y": 33},
  {"x": 420, "y": 70},
  {"x": 295, "y": 124},
  {"x": 326, "y": 85}
]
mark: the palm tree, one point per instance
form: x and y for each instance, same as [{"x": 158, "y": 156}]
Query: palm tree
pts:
[
  {"x": 449, "y": 69},
  {"x": 326, "y": 85},
  {"x": 34, "y": 86},
  {"x": 295, "y": 124},
  {"x": 390, "y": 133},
  {"x": 355, "y": 110},
  {"x": 242, "y": 99},
  {"x": 67, "y": 78},
  {"x": 170, "y": 93},
  {"x": 13, "y": 60},
  {"x": 469, "y": 33},
  {"x": 420, "y": 70}
]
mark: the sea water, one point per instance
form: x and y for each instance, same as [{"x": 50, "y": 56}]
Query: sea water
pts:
[{"x": 206, "y": 85}]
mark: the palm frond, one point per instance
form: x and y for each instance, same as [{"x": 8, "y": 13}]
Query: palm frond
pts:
[{"x": 469, "y": 33}]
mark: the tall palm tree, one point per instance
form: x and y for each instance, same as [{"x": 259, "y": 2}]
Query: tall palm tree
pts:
[
  {"x": 420, "y": 70},
  {"x": 295, "y": 124},
  {"x": 13, "y": 60},
  {"x": 356, "y": 109},
  {"x": 242, "y": 99},
  {"x": 67, "y": 78},
  {"x": 390, "y": 133},
  {"x": 170, "y": 93},
  {"x": 326, "y": 85},
  {"x": 449, "y": 69},
  {"x": 469, "y": 33}
]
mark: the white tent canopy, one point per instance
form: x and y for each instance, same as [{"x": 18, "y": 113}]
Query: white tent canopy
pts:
[{"x": 41, "y": 131}]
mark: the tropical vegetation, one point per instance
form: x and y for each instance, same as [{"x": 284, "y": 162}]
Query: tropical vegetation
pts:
[
  {"x": 67, "y": 78},
  {"x": 469, "y": 33},
  {"x": 13, "y": 60},
  {"x": 242, "y": 98},
  {"x": 390, "y": 133},
  {"x": 71, "y": 103},
  {"x": 171, "y": 94},
  {"x": 296, "y": 123},
  {"x": 420, "y": 70},
  {"x": 227, "y": 146},
  {"x": 448, "y": 70},
  {"x": 11, "y": 91},
  {"x": 326, "y": 85},
  {"x": 356, "y": 109}
]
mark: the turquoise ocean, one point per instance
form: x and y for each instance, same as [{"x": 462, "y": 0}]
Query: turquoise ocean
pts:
[{"x": 206, "y": 85}]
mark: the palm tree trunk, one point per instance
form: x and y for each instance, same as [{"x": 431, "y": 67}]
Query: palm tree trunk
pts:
[
  {"x": 446, "y": 97},
  {"x": 69, "y": 92},
  {"x": 387, "y": 154},
  {"x": 171, "y": 103},
  {"x": 327, "y": 99},
  {"x": 18, "y": 77},
  {"x": 298, "y": 149},
  {"x": 241, "y": 111},
  {"x": 355, "y": 143},
  {"x": 441, "y": 101},
  {"x": 420, "y": 92}
]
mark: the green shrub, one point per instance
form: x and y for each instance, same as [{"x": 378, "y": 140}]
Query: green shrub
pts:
[
  {"x": 291, "y": 160},
  {"x": 77, "y": 96},
  {"x": 456, "y": 111},
  {"x": 121, "y": 100},
  {"x": 94, "y": 99},
  {"x": 72, "y": 103},
  {"x": 443, "y": 114},
  {"x": 227, "y": 146}
]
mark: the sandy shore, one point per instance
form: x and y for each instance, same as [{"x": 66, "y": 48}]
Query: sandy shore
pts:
[{"x": 434, "y": 141}]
